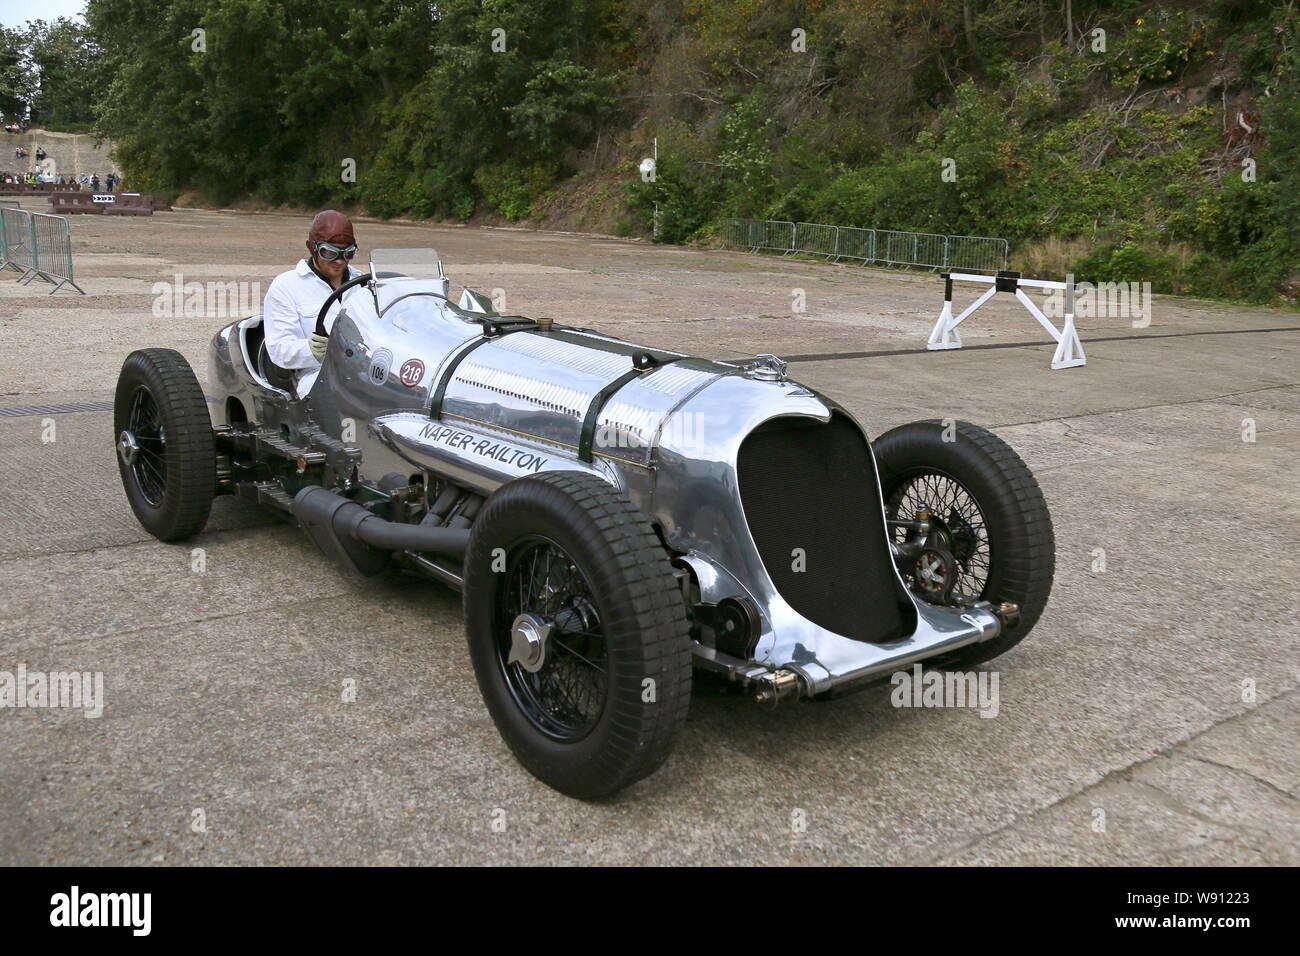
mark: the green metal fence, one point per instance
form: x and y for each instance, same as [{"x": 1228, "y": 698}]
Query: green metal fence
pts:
[
  {"x": 37, "y": 245},
  {"x": 888, "y": 246}
]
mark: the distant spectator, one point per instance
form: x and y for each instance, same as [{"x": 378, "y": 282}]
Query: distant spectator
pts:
[
  {"x": 110, "y": 184},
  {"x": 94, "y": 183}
]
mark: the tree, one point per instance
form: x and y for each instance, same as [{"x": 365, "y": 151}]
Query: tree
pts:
[
  {"x": 68, "y": 78},
  {"x": 16, "y": 87},
  {"x": 1280, "y": 157}
]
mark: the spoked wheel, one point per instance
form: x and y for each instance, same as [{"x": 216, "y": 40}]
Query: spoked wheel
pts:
[
  {"x": 987, "y": 518},
  {"x": 577, "y": 632},
  {"x": 165, "y": 450},
  {"x": 957, "y": 524},
  {"x": 549, "y": 641},
  {"x": 142, "y": 446}
]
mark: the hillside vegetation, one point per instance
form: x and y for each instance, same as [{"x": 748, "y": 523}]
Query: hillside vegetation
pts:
[{"x": 1120, "y": 140}]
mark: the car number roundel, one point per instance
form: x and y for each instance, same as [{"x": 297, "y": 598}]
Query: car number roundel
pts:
[
  {"x": 379, "y": 365},
  {"x": 411, "y": 373}
]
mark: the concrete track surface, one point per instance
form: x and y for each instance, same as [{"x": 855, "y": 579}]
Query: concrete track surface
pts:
[{"x": 1151, "y": 717}]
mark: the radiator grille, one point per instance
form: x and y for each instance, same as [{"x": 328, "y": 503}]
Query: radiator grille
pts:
[{"x": 809, "y": 485}]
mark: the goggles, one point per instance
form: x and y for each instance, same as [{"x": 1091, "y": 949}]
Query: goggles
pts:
[{"x": 328, "y": 252}]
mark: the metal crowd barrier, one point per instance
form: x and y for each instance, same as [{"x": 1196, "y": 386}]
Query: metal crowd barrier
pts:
[
  {"x": 37, "y": 245},
  {"x": 892, "y": 247},
  {"x": 15, "y": 252}
]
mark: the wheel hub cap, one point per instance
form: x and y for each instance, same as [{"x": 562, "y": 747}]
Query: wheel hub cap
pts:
[
  {"x": 932, "y": 569},
  {"x": 528, "y": 637},
  {"x": 127, "y": 448}
]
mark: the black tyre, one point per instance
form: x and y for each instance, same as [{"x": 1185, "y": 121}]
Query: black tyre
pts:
[
  {"x": 577, "y": 632},
  {"x": 165, "y": 449},
  {"x": 987, "y": 509}
]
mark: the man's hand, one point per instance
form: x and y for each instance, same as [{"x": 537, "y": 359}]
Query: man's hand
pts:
[{"x": 317, "y": 344}]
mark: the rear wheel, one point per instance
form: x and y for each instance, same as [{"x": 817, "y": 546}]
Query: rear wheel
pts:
[
  {"x": 166, "y": 453},
  {"x": 577, "y": 632},
  {"x": 991, "y": 531}
]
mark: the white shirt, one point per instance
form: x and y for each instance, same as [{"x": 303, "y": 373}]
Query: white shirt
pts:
[{"x": 289, "y": 318}]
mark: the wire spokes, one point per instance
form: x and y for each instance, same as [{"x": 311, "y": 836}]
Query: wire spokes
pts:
[
  {"x": 958, "y": 521},
  {"x": 150, "y": 462},
  {"x": 565, "y": 696}
]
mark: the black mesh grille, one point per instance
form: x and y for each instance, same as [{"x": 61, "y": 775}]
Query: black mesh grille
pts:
[{"x": 804, "y": 484}]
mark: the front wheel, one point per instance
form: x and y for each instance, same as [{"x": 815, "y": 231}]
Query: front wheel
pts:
[
  {"x": 577, "y": 632},
  {"x": 990, "y": 529}
]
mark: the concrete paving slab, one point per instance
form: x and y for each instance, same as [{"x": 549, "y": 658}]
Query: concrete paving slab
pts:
[{"x": 1161, "y": 689}]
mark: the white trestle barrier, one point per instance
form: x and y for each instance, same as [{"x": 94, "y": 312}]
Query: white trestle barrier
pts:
[{"x": 1069, "y": 350}]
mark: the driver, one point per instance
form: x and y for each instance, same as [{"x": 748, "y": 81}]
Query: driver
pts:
[{"x": 295, "y": 297}]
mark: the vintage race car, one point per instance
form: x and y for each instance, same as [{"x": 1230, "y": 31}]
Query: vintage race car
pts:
[{"x": 612, "y": 514}]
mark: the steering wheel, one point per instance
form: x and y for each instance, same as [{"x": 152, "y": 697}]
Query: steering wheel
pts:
[{"x": 334, "y": 297}]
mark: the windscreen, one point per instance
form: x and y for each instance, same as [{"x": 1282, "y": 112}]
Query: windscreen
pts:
[
  {"x": 418, "y": 276},
  {"x": 416, "y": 263}
]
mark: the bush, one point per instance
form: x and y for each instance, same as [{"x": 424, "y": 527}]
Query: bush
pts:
[
  {"x": 511, "y": 189},
  {"x": 1129, "y": 262}
]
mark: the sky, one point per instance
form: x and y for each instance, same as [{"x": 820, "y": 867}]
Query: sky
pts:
[{"x": 15, "y": 13}]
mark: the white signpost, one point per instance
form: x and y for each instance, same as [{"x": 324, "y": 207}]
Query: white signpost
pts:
[
  {"x": 1069, "y": 350},
  {"x": 103, "y": 197}
]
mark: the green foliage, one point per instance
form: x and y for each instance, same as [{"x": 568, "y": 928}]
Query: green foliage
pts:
[
  {"x": 687, "y": 187},
  {"x": 1280, "y": 158},
  {"x": 511, "y": 189},
  {"x": 61, "y": 75},
  {"x": 836, "y": 111},
  {"x": 1159, "y": 45},
  {"x": 417, "y": 96},
  {"x": 1128, "y": 262},
  {"x": 16, "y": 86},
  {"x": 744, "y": 156}
]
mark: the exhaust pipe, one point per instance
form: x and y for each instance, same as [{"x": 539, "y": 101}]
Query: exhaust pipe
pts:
[{"x": 363, "y": 542}]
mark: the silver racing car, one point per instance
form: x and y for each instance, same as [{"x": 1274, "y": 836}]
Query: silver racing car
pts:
[{"x": 612, "y": 513}]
